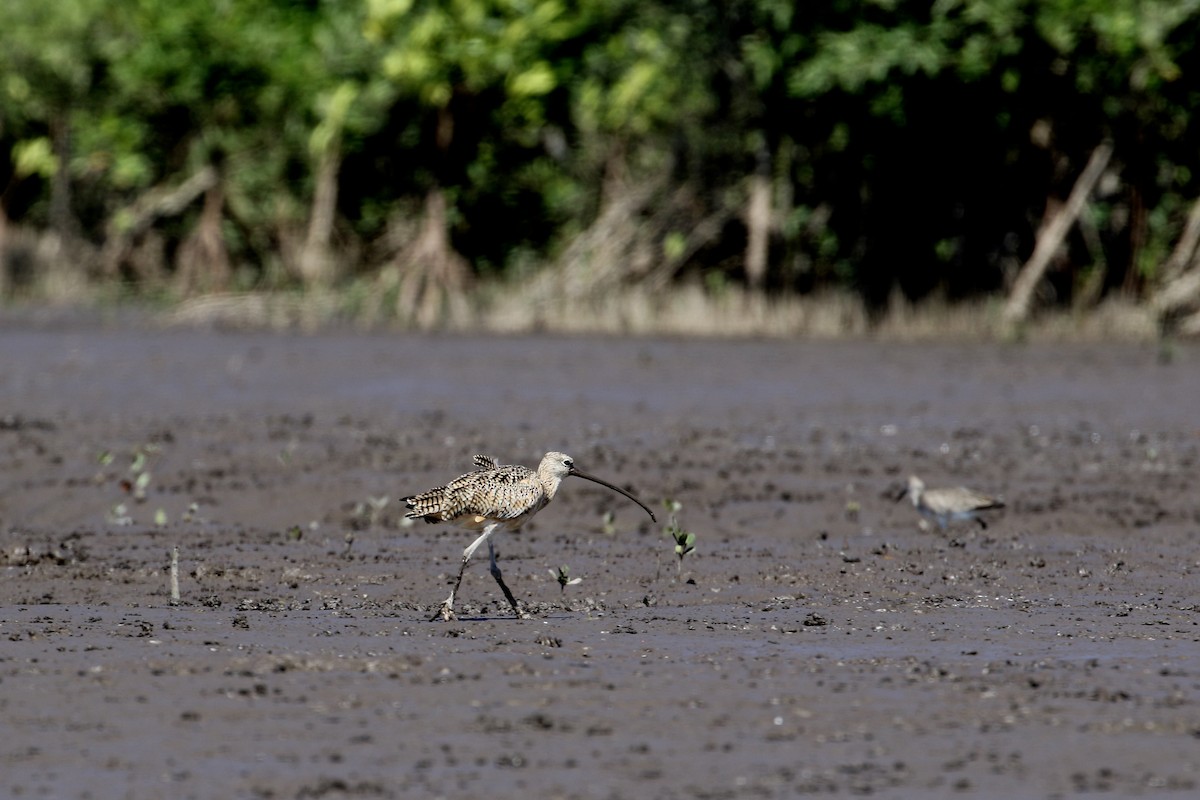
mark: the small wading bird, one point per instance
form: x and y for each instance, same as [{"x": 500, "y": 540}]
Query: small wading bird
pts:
[
  {"x": 492, "y": 497},
  {"x": 944, "y": 505}
]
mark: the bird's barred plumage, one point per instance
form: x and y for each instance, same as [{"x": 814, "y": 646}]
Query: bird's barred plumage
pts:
[
  {"x": 495, "y": 496},
  {"x": 485, "y": 462},
  {"x": 507, "y": 494}
]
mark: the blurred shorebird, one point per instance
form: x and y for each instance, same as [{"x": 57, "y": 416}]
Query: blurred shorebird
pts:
[
  {"x": 946, "y": 505},
  {"x": 495, "y": 496}
]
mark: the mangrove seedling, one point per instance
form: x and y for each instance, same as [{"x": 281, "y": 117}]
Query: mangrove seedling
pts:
[
  {"x": 377, "y": 505},
  {"x": 562, "y": 576},
  {"x": 139, "y": 468},
  {"x": 139, "y": 486},
  {"x": 193, "y": 513},
  {"x": 685, "y": 541},
  {"x": 119, "y": 515}
]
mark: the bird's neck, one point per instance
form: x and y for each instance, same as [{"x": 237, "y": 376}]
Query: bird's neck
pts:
[{"x": 550, "y": 484}]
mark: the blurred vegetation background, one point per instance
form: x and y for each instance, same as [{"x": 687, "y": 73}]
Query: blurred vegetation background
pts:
[{"x": 537, "y": 162}]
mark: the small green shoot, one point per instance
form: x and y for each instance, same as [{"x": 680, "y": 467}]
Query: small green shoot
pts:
[
  {"x": 377, "y": 504},
  {"x": 370, "y": 510},
  {"x": 564, "y": 579},
  {"x": 610, "y": 523},
  {"x": 685, "y": 541},
  {"x": 139, "y": 468},
  {"x": 160, "y": 517},
  {"x": 139, "y": 486},
  {"x": 284, "y": 456},
  {"x": 119, "y": 515}
]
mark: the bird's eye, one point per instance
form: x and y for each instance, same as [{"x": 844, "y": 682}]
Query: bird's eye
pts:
[{"x": 568, "y": 463}]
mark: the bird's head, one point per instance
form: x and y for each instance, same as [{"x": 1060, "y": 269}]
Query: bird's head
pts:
[
  {"x": 912, "y": 490},
  {"x": 555, "y": 466}
]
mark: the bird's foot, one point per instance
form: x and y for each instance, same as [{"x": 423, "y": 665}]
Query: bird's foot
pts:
[{"x": 445, "y": 612}]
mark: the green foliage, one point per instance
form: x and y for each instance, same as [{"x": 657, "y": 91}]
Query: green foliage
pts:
[
  {"x": 435, "y": 52},
  {"x": 47, "y": 52},
  {"x": 640, "y": 80},
  {"x": 34, "y": 157},
  {"x": 906, "y": 142}
]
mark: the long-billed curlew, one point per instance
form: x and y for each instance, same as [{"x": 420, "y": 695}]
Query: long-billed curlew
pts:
[
  {"x": 494, "y": 496},
  {"x": 943, "y": 505}
]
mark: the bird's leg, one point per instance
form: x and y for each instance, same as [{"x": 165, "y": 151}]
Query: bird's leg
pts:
[
  {"x": 483, "y": 537},
  {"x": 446, "y": 612},
  {"x": 512, "y": 601}
]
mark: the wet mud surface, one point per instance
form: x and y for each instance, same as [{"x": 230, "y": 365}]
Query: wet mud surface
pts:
[{"x": 819, "y": 641}]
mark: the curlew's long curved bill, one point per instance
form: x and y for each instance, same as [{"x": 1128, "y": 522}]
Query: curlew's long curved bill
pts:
[{"x": 594, "y": 479}]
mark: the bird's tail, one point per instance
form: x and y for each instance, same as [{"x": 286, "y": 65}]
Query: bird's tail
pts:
[{"x": 429, "y": 506}]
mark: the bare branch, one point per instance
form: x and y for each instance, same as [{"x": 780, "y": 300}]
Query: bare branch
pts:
[{"x": 1052, "y": 235}]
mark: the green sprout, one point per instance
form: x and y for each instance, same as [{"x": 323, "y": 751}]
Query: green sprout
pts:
[
  {"x": 139, "y": 468},
  {"x": 562, "y": 576},
  {"x": 609, "y": 523},
  {"x": 685, "y": 541},
  {"x": 139, "y": 486},
  {"x": 119, "y": 515},
  {"x": 371, "y": 510},
  {"x": 377, "y": 505},
  {"x": 284, "y": 456}
]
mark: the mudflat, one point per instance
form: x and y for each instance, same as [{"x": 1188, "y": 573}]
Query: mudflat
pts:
[{"x": 819, "y": 640}]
